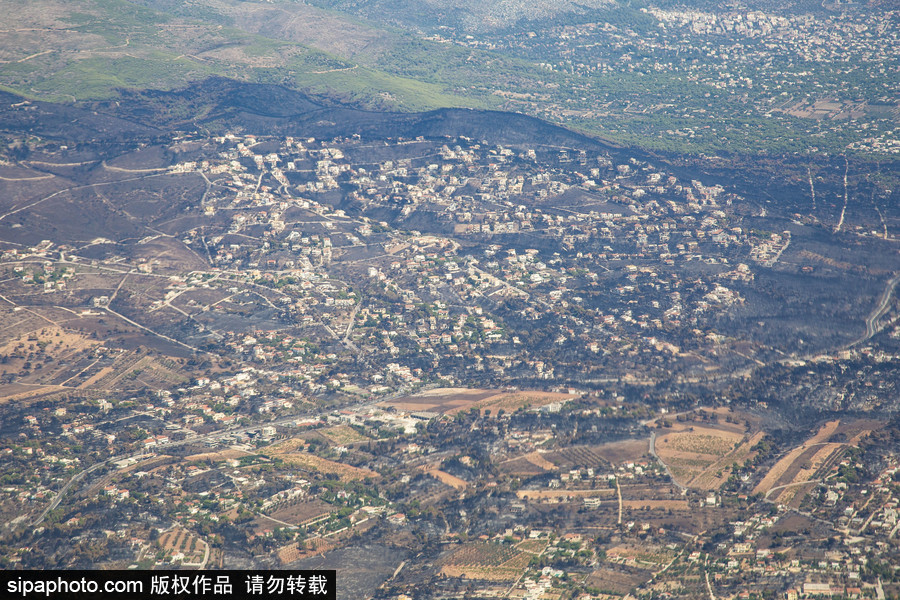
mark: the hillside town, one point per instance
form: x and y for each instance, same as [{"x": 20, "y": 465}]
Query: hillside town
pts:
[{"x": 474, "y": 369}]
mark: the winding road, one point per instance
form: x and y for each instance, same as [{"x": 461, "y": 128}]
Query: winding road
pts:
[{"x": 880, "y": 309}]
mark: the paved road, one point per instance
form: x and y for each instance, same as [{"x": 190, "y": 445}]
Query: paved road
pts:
[
  {"x": 619, "y": 494},
  {"x": 883, "y": 302},
  {"x": 64, "y": 490},
  {"x": 200, "y": 438}
]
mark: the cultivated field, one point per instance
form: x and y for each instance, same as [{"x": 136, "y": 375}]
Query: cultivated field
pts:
[
  {"x": 448, "y": 479},
  {"x": 134, "y": 369},
  {"x": 623, "y": 451},
  {"x": 649, "y": 556},
  {"x": 311, "y": 462},
  {"x": 45, "y": 357},
  {"x": 487, "y": 561},
  {"x": 700, "y": 453},
  {"x": 577, "y": 457},
  {"x": 525, "y": 466},
  {"x": 441, "y": 400},
  {"x": 798, "y": 471},
  {"x": 316, "y": 464},
  {"x": 343, "y": 435},
  {"x": 533, "y": 463},
  {"x": 182, "y": 542},
  {"x": 311, "y": 547},
  {"x": 802, "y": 471},
  {"x": 303, "y": 513},
  {"x": 656, "y": 504},
  {"x": 617, "y": 582},
  {"x": 601, "y": 456},
  {"x": 562, "y": 495},
  {"x": 285, "y": 446}
]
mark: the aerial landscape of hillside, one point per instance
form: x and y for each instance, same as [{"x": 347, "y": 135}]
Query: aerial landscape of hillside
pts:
[{"x": 460, "y": 299}]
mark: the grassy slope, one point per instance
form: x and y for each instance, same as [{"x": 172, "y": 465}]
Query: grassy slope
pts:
[{"x": 87, "y": 49}]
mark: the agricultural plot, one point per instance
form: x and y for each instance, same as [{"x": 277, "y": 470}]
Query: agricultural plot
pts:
[
  {"x": 650, "y": 504},
  {"x": 343, "y": 435},
  {"x": 429, "y": 491},
  {"x": 618, "y": 581},
  {"x": 791, "y": 522},
  {"x": 16, "y": 325},
  {"x": 779, "y": 475},
  {"x": 798, "y": 471},
  {"x": 534, "y": 546},
  {"x": 517, "y": 400},
  {"x": 21, "y": 393},
  {"x": 701, "y": 456},
  {"x": 653, "y": 497},
  {"x": 717, "y": 474},
  {"x": 44, "y": 355},
  {"x": 623, "y": 451},
  {"x": 52, "y": 340},
  {"x": 577, "y": 457},
  {"x": 825, "y": 432},
  {"x": 134, "y": 369},
  {"x": 533, "y": 463},
  {"x": 303, "y": 513},
  {"x": 855, "y": 431},
  {"x": 523, "y": 466},
  {"x": 565, "y": 495},
  {"x": 306, "y": 549},
  {"x": 180, "y": 545},
  {"x": 289, "y": 554},
  {"x": 487, "y": 561},
  {"x": 440, "y": 400},
  {"x": 448, "y": 479},
  {"x": 287, "y": 452},
  {"x": 317, "y": 464},
  {"x": 778, "y": 470},
  {"x": 648, "y": 557},
  {"x": 800, "y": 475},
  {"x": 285, "y": 446}
]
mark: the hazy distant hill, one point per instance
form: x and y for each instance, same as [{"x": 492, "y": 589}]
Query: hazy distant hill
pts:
[
  {"x": 677, "y": 76},
  {"x": 471, "y": 15}
]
